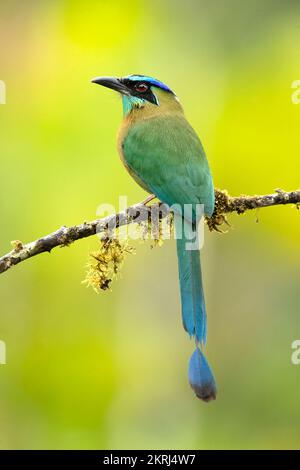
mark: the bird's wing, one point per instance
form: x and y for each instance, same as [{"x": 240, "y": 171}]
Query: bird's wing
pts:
[{"x": 166, "y": 154}]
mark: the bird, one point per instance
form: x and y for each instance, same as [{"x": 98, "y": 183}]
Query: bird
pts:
[{"x": 164, "y": 155}]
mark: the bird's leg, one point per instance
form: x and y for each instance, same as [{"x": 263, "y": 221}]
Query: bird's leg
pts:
[{"x": 148, "y": 199}]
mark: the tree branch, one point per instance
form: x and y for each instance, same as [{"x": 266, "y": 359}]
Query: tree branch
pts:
[{"x": 140, "y": 213}]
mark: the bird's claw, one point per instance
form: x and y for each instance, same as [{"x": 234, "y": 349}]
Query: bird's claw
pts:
[{"x": 148, "y": 199}]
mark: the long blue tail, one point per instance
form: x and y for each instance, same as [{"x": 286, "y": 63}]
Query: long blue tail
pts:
[{"x": 194, "y": 317}]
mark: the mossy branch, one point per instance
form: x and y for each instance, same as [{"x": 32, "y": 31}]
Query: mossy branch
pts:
[
  {"x": 226, "y": 204},
  {"x": 64, "y": 236}
]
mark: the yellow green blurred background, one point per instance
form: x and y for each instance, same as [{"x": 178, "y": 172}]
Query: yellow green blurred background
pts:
[{"x": 89, "y": 371}]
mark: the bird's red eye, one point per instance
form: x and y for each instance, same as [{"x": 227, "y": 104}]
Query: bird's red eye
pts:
[{"x": 141, "y": 87}]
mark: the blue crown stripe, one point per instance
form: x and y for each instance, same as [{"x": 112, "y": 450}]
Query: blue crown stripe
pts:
[{"x": 150, "y": 80}]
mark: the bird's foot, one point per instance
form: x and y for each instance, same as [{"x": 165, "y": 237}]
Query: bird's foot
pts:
[
  {"x": 216, "y": 221},
  {"x": 218, "y": 218},
  {"x": 148, "y": 199}
]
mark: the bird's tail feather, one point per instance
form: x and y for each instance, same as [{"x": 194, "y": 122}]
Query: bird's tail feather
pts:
[
  {"x": 191, "y": 290},
  {"x": 194, "y": 317}
]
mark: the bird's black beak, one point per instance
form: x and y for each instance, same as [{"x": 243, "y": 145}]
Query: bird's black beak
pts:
[{"x": 113, "y": 83}]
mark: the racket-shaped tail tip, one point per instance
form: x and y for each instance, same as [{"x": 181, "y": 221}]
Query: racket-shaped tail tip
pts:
[{"x": 201, "y": 378}]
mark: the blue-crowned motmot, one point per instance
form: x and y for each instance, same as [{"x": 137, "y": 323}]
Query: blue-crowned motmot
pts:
[{"x": 164, "y": 155}]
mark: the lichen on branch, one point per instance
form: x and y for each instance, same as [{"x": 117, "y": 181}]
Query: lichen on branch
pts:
[{"x": 105, "y": 263}]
